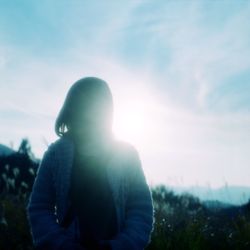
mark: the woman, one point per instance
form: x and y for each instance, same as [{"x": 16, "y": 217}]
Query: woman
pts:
[{"x": 90, "y": 191}]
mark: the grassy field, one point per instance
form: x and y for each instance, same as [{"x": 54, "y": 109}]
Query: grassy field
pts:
[{"x": 183, "y": 222}]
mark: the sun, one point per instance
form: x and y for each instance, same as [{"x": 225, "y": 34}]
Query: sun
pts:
[{"x": 132, "y": 122}]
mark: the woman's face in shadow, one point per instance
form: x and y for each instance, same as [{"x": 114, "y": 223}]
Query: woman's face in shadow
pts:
[{"x": 91, "y": 115}]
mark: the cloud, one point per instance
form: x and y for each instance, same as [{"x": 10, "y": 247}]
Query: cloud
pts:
[{"x": 184, "y": 48}]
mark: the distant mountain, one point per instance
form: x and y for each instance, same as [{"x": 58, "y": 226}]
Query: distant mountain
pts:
[
  {"x": 231, "y": 195},
  {"x": 215, "y": 204},
  {"x": 4, "y": 150}
]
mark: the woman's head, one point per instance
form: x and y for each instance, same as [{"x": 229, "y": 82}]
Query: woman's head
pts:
[{"x": 87, "y": 109}]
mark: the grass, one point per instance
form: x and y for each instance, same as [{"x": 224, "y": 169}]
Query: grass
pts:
[{"x": 183, "y": 222}]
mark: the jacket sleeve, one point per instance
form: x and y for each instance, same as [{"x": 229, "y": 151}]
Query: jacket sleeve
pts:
[
  {"x": 139, "y": 218},
  {"x": 45, "y": 231}
]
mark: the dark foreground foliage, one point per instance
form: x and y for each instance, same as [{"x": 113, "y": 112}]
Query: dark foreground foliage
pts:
[
  {"x": 14, "y": 228},
  {"x": 181, "y": 221}
]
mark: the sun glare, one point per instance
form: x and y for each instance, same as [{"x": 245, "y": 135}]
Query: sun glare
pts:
[{"x": 132, "y": 122}]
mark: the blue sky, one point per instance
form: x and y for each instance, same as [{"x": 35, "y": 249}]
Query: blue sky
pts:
[{"x": 179, "y": 72}]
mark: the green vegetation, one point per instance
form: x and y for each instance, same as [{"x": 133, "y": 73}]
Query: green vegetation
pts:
[
  {"x": 14, "y": 228},
  {"x": 184, "y": 222}
]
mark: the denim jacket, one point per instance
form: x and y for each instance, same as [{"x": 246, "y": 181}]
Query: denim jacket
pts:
[{"x": 49, "y": 199}]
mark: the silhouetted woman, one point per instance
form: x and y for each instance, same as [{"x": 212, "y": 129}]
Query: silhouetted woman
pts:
[{"x": 90, "y": 191}]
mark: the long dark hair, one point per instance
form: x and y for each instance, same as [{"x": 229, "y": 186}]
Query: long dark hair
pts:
[{"x": 88, "y": 96}]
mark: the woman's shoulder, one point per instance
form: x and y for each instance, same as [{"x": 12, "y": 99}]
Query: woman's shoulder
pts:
[
  {"x": 120, "y": 149},
  {"x": 124, "y": 148},
  {"x": 63, "y": 143}
]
